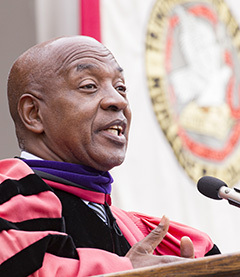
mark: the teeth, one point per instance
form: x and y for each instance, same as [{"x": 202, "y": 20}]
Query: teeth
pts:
[
  {"x": 113, "y": 131},
  {"x": 116, "y": 130}
]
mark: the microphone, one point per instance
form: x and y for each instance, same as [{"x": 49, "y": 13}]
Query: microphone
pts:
[{"x": 216, "y": 189}]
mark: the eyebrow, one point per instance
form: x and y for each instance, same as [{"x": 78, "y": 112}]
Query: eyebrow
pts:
[{"x": 86, "y": 66}]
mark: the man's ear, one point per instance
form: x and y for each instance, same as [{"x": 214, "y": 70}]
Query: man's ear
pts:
[{"x": 28, "y": 109}]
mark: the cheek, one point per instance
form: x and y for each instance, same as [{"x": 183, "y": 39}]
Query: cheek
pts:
[
  {"x": 58, "y": 121},
  {"x": 75, "y": 128},
  {"x": 70, "y": 120}
]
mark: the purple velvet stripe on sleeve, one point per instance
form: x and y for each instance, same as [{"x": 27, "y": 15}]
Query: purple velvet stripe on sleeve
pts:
[{"x": 81, "y": 175}]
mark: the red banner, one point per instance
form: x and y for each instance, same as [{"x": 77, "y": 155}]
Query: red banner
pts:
[{"x": 90, "y": 18}]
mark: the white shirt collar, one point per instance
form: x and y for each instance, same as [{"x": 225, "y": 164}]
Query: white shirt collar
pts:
[{"x": 28, "y": 156}]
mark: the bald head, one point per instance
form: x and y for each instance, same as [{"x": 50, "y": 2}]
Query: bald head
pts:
[
  {"x": 68, "y": 100},
  {"x": 41, "y": 62},
  {"x": 36, "y": 70}
]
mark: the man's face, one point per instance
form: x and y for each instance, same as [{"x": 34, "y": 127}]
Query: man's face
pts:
[{"x": 86, "y": 115}]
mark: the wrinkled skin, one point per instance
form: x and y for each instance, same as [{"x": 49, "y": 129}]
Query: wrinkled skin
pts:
[
  {"x": 81, "y": 99},
  {"x": 68, "y": 100}
]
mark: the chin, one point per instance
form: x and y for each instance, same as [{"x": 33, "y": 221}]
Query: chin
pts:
[{"x": 113, "y": 162}]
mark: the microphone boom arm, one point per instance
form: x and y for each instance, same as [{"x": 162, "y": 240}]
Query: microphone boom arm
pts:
[{"x": 228, "y": 194}]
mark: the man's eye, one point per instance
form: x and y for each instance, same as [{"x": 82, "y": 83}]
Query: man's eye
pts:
[
  {"x": 88, "y": 86},
  {"x": 121, "y": 88}
]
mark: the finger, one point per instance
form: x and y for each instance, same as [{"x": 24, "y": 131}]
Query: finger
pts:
[
  {"x": 186, "y": 247},
  {"x": 151, "y": 241}
]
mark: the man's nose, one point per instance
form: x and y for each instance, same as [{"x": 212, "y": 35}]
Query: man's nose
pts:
[{"x": 114, "y": 100}]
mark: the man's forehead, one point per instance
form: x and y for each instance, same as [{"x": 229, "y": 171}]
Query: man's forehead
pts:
[
  {"x": 68, "y": 51},
  {"x": 58, "y": 42},
  {"x": 76, "y": 44}
]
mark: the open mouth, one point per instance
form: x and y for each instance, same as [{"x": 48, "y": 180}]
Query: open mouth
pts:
[{"x": 116, "y": 130}]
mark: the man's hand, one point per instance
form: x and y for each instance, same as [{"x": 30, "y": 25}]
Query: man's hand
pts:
[{"x": 141, "y": 253}]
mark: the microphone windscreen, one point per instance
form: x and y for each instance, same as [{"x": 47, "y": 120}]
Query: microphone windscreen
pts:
[{"x": 209, "y": 186}]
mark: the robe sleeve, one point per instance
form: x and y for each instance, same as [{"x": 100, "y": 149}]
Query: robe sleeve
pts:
[
  {"x": 32, "y": 232},
  {"x": 170, "y": 245}
]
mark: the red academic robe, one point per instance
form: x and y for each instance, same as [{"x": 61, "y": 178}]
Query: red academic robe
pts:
[{"x": 27, "y": 250}]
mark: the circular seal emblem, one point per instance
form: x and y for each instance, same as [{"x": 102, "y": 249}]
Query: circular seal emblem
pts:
[{"x": 193, "y": 73}]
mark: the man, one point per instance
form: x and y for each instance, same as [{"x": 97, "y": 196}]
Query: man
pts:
[{"x": 68, "y": 100}]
